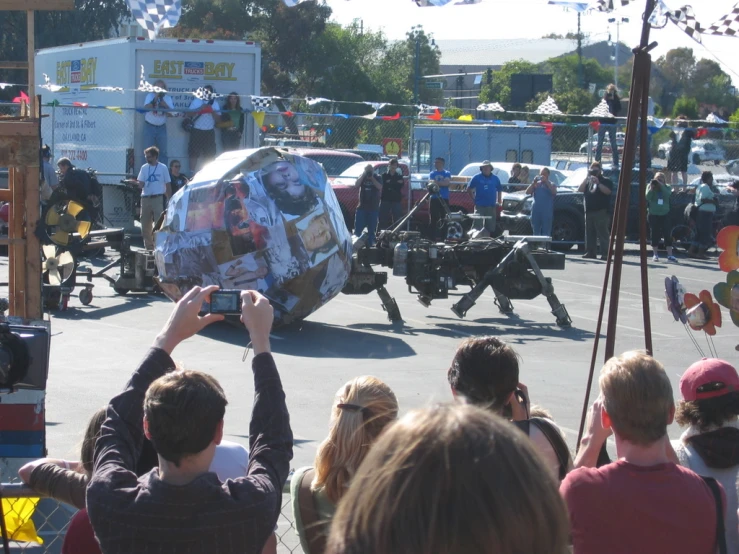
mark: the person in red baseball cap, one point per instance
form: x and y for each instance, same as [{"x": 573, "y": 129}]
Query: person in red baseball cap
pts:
[{"x": 710, "y": 444}]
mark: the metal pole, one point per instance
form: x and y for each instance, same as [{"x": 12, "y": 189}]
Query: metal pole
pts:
[
  {"x": 615, "y": 67},
  {"x": 418, "y": 69},
  {"x": 580, "y": 73}
]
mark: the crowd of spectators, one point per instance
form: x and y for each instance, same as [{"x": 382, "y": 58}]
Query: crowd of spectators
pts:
[{"x": 484, "y": 472}]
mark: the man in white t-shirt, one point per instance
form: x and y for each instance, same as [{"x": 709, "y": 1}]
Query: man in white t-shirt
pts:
[
  {"x": 155, "y": 120},
  {"x": 156, "y": 188},
  {"x": 205, "y": 112}
]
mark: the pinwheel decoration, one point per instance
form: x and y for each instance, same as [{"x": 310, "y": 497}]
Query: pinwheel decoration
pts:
[
  {"x": 728, "y": 241},
  {"x": 675, "y": 296},
  {"x": 727, "y": 294},
  {"x": 702, "y": 312}
]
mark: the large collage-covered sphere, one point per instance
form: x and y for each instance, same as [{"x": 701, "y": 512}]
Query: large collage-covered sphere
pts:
[{"x": 261, "y": 220}]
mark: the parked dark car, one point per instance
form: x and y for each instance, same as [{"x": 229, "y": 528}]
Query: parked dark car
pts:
[
  {"x": 366, "y": 154},
  {"x": 568, "y": 228}
]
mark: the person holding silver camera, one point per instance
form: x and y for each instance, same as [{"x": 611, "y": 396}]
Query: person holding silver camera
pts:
[
  {"x": 658, "y": 210},
  {"x": 180, "y": 506},
  {"x": 542, "y": 211},
  {"x": 368, "y": 209},
  {"x": 597, "y": 190},
  {"x": 155, "y": 119}
]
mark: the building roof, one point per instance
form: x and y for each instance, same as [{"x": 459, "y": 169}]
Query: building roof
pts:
[{"x": 496, "y": 52}]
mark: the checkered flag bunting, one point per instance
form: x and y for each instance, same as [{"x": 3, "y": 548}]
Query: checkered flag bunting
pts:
[
  {"x": 203, "y": 94},
  {"x": 685, "y": 20},
  {"x": 727, "y": 26},
  {"x": 153, "y": 15},
  {"x": 493, "y": 107},
  {"x": 146, "y": 86},
  {"x": 311, "y": 101},
  {"x": 548, "y": 107},
  {"x": 261, "y": 103},
  {"x": 607, "y": 5},
  {"x": 48, "y": 85},
  {"x": 601, "y": 110}
]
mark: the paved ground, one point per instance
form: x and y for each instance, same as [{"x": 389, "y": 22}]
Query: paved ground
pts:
[{"x": 95, "y": 348}]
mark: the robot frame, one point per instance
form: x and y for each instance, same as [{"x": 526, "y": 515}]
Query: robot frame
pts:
[
  {"x": 508, "y": 265},
  {"x": 70, "y": 229}
]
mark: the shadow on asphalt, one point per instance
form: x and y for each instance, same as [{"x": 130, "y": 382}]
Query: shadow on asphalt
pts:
[
  {"x": 76, "y": 310},
  {"x": 319, "y": 340}
]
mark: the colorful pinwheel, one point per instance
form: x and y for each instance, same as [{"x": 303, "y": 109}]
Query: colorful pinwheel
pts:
[
  {"x": 728, "y": 241},
  {"x": 727, "y": 294},
  {"x": 702, "y": 312}
]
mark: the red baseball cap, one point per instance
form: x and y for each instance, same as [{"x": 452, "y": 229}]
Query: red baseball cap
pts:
[{"x": 708, "y": 378}]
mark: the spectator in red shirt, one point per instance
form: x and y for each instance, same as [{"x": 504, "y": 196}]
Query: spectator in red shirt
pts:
[{"x": 643, "y": 502}]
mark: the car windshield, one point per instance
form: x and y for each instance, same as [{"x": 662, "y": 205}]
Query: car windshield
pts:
[
  {"x": 470, "y": 170},
  {"x": 334, "y": 165},
  {"x": 575, "y": 179},
  {"x": 354, "y": 171}
]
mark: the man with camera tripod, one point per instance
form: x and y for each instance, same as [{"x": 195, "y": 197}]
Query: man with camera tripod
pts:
[{"x": 180, "y": 507}]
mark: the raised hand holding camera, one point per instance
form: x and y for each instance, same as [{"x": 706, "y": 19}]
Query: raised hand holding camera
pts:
[
  {"x": 257, "y": 316},
  {"x": 185, "y": 319}
]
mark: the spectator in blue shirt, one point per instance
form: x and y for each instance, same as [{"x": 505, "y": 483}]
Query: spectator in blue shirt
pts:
[
  {"x": 439, "y": 201},
  {"x": 488, "y": 196}
]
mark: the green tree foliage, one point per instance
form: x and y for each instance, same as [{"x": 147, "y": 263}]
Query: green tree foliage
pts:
[
  {"x": 686, "y": 106},
  {"x": 564, "y": 70},
  {"x": 500, "y": 89},
  {"x": 88, "y": 21}
]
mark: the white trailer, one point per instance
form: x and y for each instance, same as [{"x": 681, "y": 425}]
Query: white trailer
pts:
[{"x": 103, "y": 129}]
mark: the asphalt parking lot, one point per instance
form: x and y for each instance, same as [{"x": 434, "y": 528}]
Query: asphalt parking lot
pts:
[{"x": 95, "y": 348}]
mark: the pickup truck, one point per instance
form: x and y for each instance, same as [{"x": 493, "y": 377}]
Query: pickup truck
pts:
[
  {"x": 348, "y": 194},
  {"x": 568, "y": 227}
]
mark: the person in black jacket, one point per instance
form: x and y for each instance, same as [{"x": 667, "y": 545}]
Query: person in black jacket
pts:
[
  {"x": 391, "y": 208},
  {"x": 608, "y": 124}
]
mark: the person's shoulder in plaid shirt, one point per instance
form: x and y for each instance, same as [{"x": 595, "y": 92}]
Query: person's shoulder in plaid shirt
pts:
[{"x": 180, "y": 506}]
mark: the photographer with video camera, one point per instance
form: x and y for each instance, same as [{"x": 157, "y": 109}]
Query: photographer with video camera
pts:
[
  {"x": 180, "y": 507},
  {"x": 75, "y": 181},
  {"x": 485, "y": 372},
  {"x": 597, "y": 190},
  {"x": 155, "y": 120},
  {"x": 368, "y": 209}
]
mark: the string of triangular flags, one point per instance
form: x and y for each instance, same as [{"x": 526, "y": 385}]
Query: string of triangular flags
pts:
[
  {"x": 684, "y": 18},
  {"x": 154, "y": 15},
  {"x": 600, "y": 5}
]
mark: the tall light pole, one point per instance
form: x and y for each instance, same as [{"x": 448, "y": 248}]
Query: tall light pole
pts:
[{"x": 617, "y": 21}]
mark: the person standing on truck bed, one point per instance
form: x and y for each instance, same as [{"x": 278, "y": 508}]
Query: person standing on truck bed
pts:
[
  {"x": 155, "y": 120},
  {"x": 488, "y": 196},
  {"x": 392, "y": 194},
  {"x": 597, "y": 190},
  {"x": 440, "y": 200},
  {"x": 156, "y": 188},
  {"x": 202, "y": 146},
  {"x": 608, "y": 124}
]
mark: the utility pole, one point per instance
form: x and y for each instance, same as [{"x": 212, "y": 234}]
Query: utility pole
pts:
[
  {"x": 418, "y": 68},
  {"x": 580, "y": 73},
  {"x": 618, "y": 22}
]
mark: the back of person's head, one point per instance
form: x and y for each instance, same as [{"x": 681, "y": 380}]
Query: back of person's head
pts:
[
  {"x": 46, "y": 152},
  {"x": 65, "y": 162},
  {"x": 710, "y": 395},
  {"x": 637, "y": 396},
  {"x": 362, "y": 408},
  {"x": 485, "y": 371},
  {"x": 183, "y": 410},
  {"x": 707, "y": 177},
  {"x": 91, "y": 436},
  {"x": 451, "y": 479}
]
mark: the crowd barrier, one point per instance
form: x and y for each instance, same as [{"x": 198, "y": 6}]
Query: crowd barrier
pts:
[{"x": 51, "y": 518}]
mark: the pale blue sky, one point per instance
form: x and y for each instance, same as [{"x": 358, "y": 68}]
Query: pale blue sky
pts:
[{"x": 534, "y": 18}]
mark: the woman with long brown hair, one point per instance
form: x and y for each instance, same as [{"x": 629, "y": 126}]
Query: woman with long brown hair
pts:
[
  {"x": 362, "y": 408},
  {"x": 451, "y": 479}
]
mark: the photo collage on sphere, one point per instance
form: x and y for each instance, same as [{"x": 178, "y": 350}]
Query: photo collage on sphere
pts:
[{"x": 273, "y": 229}]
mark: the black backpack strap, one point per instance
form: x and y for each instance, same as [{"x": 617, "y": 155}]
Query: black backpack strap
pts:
[
  {"x": 558, "y": 444},
  {"x": 720, "y": 532}
]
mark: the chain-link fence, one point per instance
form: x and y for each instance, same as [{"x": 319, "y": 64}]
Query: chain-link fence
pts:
[
  {"x": 112, "y": 139},
  {"x": 30, "y": 518}
]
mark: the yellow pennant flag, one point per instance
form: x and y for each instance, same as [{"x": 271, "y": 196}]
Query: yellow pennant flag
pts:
[
  {"x": 115, "y": 109},
  {"x": 467, "y": 117},
  {"x": 258, "y": 117},
  {"x": 18, "y": 513}
]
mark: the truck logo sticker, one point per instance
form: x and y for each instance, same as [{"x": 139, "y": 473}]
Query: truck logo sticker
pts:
[
  {"x": 193, "y": 71},
  {"x": 76, "y": 75}
]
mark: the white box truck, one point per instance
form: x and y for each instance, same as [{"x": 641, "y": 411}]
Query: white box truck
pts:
[{"x": 102, "y": 128}]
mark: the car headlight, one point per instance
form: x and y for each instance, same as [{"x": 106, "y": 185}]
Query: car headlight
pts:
[
  {"x": 510, "y": 205},
  {"x": 527, "y": 205}
]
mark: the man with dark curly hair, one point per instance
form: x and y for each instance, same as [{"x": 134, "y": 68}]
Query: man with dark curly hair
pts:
[{"x": 710, "y": 445}]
